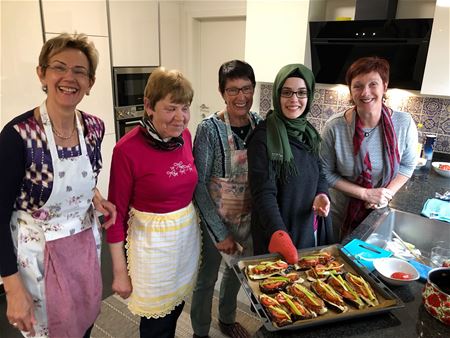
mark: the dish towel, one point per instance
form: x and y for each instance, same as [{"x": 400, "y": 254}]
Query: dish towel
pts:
[{"x": 437, "y": 209}]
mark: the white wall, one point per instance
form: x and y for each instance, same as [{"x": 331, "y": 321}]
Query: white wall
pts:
[
  {"x": 170, "y": 34},
  {"x": 414, "y": 9},
  {"x": 406, "y": 9},
  {"x": 436, "y": 79},
  {"x": 20, "y": 87},
  {"x": 276, "y": 34}
]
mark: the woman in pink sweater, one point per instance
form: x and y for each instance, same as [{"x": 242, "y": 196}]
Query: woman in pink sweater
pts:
[{"x": 153, "y": 178}]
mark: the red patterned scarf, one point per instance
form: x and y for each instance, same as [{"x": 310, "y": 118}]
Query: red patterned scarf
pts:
[{"x": 356, "y": 210}]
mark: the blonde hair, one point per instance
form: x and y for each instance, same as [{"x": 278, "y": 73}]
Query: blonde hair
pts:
[
  {"x": 162, "y": 82},
  {"x": 66, "y": 41}
]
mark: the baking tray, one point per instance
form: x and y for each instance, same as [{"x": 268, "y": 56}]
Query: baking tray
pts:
[{"x": 388, "y": 300}]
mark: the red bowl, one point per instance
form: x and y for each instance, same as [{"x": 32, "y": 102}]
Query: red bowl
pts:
[{"x": 436, "y": 294}]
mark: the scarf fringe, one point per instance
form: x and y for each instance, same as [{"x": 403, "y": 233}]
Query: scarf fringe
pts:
[{"x": 283, "y": 170}]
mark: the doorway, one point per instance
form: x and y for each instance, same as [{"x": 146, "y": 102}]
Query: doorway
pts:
[{"x": 217, "y": 40}]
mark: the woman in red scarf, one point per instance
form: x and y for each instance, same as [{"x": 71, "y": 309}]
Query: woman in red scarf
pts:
[{"x": 368, "y": 151}]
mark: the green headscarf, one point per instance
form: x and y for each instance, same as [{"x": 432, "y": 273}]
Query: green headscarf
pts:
[{"x": 279, "y": 127}]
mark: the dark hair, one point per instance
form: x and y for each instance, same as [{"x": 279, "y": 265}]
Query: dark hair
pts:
[
  {"x": 235, "y": 69},
  {"x": 366, "y": 65}
]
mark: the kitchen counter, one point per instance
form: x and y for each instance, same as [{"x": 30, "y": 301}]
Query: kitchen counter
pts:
[{"x": 412, "y": 320}]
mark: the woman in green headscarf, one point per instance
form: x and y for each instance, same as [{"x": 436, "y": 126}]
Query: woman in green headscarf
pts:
[{"x": 290, "y": 201}]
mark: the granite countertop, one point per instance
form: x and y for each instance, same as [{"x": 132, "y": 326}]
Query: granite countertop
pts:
[
  {"x": 423, "y": 185},
  {"x": 412, "y": 320}
]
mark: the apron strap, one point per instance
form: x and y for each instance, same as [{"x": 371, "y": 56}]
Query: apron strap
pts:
[
  {"x": 230, "y": 137},
  {"x": 49, "y": 133}
]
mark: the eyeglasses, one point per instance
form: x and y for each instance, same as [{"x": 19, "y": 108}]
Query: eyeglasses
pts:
[
  {"x": 301, "y": 94},
  {"x": 77, "y": 71},
  {"x": 233, "y": 91}
]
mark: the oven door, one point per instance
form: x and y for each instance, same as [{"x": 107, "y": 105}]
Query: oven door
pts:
[
  {"x": 129, "y": 85},
  {"x": 124, "y": 126}
]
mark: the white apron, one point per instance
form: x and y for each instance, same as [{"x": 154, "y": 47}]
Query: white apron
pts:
[
  {"x": 65, "y": 216},
  {"x": 232, "y": 194},
  {"x": 163, "y": 253}
]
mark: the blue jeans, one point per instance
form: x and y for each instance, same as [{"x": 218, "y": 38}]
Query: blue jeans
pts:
[{"x": 204, "y": 290}]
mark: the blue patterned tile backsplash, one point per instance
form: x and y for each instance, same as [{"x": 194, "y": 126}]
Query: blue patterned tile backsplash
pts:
[{"x": 432, "y": 113}]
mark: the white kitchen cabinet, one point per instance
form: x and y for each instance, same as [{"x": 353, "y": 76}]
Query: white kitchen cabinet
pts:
[
  {"x": 134, "y": 32},
  {"x": 88, "y": 16},
  {"x": 436, "y": 79},
  {"x": 100, "y": 100},
  {"x": 21, "y": 42}
]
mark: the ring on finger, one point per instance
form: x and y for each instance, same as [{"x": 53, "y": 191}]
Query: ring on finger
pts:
[{"x": 14, "y": 324}]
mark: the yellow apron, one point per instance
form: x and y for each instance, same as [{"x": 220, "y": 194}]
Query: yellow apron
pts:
[{"x": 163, "y": 259}]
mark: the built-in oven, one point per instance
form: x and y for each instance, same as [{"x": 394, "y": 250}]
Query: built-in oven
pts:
[
  {"x": 127, "y": 118},
  {"x": 129, "y": 85}
]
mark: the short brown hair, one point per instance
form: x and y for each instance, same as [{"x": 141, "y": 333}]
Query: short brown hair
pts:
[
  {"x": 66, "y": 41},
  {"x": 162, "y": 82},
  {"x": 367, "y": 65}
]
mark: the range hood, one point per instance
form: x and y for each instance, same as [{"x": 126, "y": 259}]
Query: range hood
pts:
[
  {"x": 374, "y": 32},
  {"x": 403, "y": 42}
]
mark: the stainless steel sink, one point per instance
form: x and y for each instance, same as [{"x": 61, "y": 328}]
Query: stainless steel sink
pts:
[{"x": 412, "y": 228}]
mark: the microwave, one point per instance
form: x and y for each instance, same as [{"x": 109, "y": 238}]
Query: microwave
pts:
[{"x": 129, "y": 85}]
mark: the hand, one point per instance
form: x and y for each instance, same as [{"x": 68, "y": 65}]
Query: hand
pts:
[
  {"x": 122, "y": 284},
  {"x": 228, "y": 245},
  {"x": 321, "y": 205},
  {"x": 20, "y": 307},
  {"x": 281, "y": 242},
  {"x": 106, "y": 208},
  {"x": 377, "y": 196}
]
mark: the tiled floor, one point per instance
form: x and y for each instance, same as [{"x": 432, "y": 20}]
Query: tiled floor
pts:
[{"x": 7, "y": 331}]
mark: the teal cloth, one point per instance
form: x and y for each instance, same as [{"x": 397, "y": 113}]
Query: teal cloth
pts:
[{"x": 437, "y": 209}]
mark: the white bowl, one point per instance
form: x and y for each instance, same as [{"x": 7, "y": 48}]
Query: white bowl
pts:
[
  {"x": 387, "y": 266},
  {"x": 442, "y": 172}
]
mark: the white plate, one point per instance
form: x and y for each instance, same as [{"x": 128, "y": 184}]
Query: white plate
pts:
[
  {"x": 387, "y": 266},
  {"x": 442, "y": 172}
]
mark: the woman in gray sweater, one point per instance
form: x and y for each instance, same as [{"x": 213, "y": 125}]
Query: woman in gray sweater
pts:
[{"x": 369, "y": 151}]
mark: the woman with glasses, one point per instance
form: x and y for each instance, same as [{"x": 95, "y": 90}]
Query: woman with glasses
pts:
[
  {"x": 222, "y": 196},
  {"x": 368, "y": 151},
  {"x": 289, "y": 192},
  {"x": 49, "y": 234}
]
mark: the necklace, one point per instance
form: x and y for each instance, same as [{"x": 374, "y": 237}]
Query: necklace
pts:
[
  {"x": 368, "y": 133},
  {"x": 241, "y": 131},
  {"x": 61, "y": 136}
]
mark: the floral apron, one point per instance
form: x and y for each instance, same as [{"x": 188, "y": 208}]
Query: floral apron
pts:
[
  {"x": 57, "y": 252},
  {"x": 163, "y": 253},
  {"x": 231, "y": 194}
]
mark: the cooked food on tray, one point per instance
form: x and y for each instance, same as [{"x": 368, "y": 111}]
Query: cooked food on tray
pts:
[
  {"x": 294, "y": 276},
  {"x": 266, "y": 269},
  {"x": 345, "y": 290},
  {"x": 363, "y": 288},
  {"x": 279, "y": 316},
  {"x": 321, "y": 271},
  {"x": 294, "y": 306},
  {"x": 327, "y": 293},
  {"x": 324, "y": 286},
  {"x": 308, "y": 298},
  {"x": 267, "y": 300},
  {"x": 274, "y": 284},
  {"x": 306, "y": 262}
]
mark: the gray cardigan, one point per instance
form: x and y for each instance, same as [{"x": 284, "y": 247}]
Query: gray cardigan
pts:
[{"x": 212, "y": 159}]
